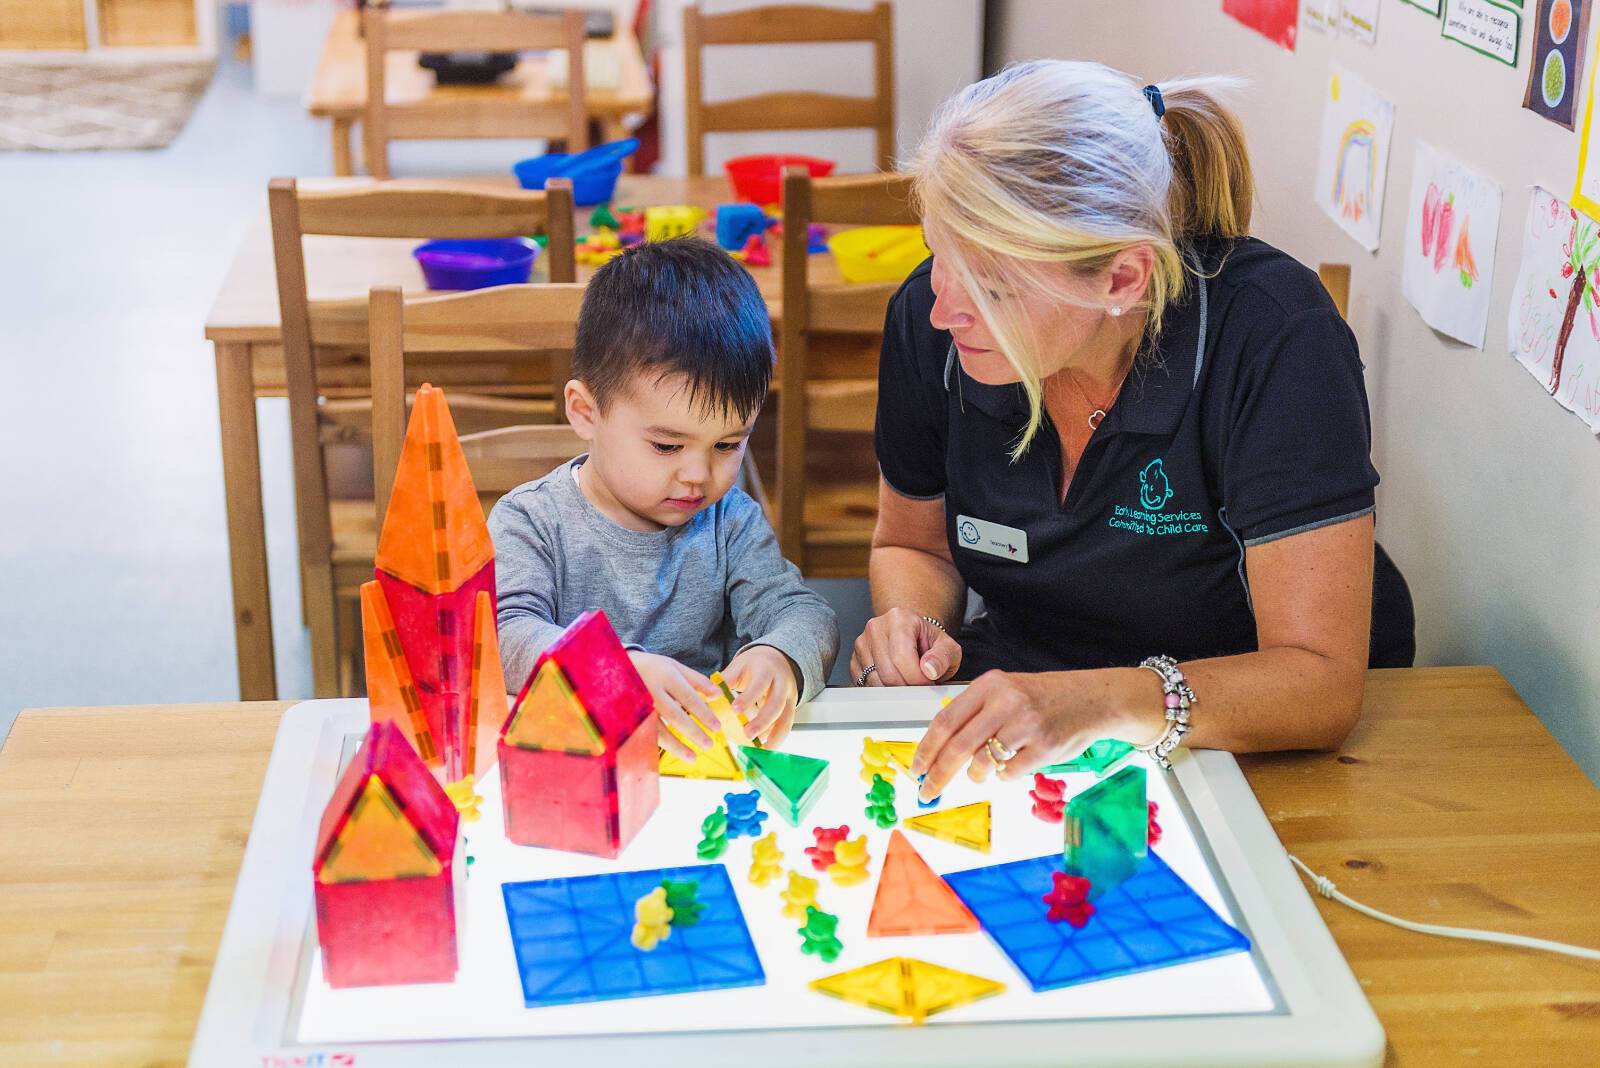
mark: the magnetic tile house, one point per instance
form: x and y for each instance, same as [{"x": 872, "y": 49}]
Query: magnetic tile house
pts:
[
  {"x": 432, "y": 654},
  {"x": 578, "y": 756},
  {"x": 385, "y": 884}
]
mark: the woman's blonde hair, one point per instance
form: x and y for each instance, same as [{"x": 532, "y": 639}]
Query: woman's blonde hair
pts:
[{"x": 1056, "y": 162}]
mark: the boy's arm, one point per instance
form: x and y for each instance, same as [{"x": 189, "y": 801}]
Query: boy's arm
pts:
[
  {"x": 527, "y": 585},
  {"x": 769, "y": 603}
]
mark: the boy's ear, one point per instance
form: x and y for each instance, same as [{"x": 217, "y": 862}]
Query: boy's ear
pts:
[{"x": 582, "y": 409}]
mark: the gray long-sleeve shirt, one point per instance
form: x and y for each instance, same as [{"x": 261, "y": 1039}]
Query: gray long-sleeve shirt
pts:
[{"x": 698, "y": 593}]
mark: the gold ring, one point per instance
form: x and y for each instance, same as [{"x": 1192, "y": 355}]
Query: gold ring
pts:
[{"x": 999, "y": 751}]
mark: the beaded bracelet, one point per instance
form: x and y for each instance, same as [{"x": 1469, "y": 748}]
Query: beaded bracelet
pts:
[{"x": 1178, "y": 699}]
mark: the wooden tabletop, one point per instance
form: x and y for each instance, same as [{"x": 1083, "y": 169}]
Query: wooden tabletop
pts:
[
  {"x": 618, "y": 82},
  {"x": 246, "y": 306},
  {"x": 123, "y": 830}
]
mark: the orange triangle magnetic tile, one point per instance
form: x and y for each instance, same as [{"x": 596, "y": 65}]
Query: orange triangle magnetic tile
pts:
[
  {"x": 487, "y": 705},
  {"x": 966, "y": 825},
  {"x": 913, "y": 900},
  {"x": 391, "y": 691},
  {"x": 377, "y": 841},
  {"x": 550, "y": 716},
  {"x": 906, "y": 987},
  {"x": 434, "y": 535}
]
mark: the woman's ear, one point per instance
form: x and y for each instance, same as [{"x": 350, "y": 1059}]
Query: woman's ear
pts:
[
  {"x": 1128, "y": 280},
  {"x": 583, "y": 411}
]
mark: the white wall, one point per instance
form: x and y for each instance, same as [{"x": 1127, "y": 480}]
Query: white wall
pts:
[
  {"x": 938, "y": 49},
  {"x": 1490, "y": 500}
]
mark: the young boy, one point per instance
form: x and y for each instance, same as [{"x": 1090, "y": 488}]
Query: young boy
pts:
[{"x": 673, "y": 359}]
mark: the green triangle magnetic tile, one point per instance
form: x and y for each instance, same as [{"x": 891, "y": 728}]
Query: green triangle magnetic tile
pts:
[{"x": 791, "y": 783}]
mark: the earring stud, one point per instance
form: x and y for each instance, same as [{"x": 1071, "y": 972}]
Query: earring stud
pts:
[{"x": 1116, "y": 311}]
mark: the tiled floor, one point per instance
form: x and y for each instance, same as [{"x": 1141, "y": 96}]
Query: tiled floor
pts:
[{"x": 113, "y": 546}]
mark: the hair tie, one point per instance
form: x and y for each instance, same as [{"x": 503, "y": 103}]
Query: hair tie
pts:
[{"x": 1152, "y": 93}]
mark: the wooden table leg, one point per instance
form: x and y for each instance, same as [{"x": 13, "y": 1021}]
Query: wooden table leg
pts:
[
  {"x": 247, "y": 534},
  {"x": 341, "y": 147}
]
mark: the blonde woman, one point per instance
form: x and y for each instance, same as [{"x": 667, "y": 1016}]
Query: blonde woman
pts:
[{"x": 1139, "y": 434}]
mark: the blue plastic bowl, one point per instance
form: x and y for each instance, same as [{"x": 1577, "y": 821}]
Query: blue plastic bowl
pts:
[
  {"x": 476, "y": 264},
  {"x": 594, "y": 173}
]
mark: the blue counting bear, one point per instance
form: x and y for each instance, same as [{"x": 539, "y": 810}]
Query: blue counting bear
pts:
[{"x": 744, "y": 814}]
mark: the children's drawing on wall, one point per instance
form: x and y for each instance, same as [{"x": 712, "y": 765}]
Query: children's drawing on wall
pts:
[
  {"x": 1359, "y": 19},
  {"x": 1276, "y": 20},
  {"x": 1430, "y": 6},
  {"x": 1354, "y": 158},
  {"x": 1554, "y": 326},
  {"x": 1586, "y": 191},
  {"x": 1555, "y": 76},
  {"x": 1320, "y": 15},
  {"x": 1449, "y": 248}
]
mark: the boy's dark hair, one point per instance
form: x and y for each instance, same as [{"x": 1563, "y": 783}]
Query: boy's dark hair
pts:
[{"x": 682, "y": 306}]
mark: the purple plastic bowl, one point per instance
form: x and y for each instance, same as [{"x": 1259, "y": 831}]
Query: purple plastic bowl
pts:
[{"x": 476, "y": 264}]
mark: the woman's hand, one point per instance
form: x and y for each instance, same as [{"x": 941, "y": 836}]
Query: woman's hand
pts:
[
  {"x": 904, "y": 650},
  {"x": 768, "y": 691},
  {"x": 1041, "y": 717},
  {"x": 678, "y": 693}
]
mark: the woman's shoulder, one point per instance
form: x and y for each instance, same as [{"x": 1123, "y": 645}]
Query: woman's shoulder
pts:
[{"x": 1251, "y": 278}]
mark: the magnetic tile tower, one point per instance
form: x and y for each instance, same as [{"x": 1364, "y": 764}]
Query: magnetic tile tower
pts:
[
  {"x": 384, "y": 870},
  {"x": 432, "y": 653},
  {"x": 578, "y": 755}
]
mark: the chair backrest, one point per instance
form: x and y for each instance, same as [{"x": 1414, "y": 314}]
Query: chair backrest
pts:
[
  {"x": 461, "y": 113},
  {"x": 388, "y": 209},
  {"x": 843, "y": 308},
  {"x": 1336, "y": 280},
  {"x": 535, "y": 319},
  {"x": 790, "y": 24}
]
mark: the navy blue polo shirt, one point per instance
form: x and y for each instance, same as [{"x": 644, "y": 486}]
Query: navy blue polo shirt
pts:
[{"x": 1245, "y": 421}]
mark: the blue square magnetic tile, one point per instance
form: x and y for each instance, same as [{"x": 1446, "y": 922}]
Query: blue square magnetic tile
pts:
[
  {"x": 572, "y": 938},
  {"x": 1151, "y": 920}
]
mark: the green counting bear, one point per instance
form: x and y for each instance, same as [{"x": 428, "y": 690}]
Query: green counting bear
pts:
[{"x": 819, "y": 935}]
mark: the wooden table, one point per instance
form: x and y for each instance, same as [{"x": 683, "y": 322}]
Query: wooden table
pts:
[
  {"x": 123, "y": 829},
  {"x": 619, "y": 84},
  {"x": 243, "y": 326}
]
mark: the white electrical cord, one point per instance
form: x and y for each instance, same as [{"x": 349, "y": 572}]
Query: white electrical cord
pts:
[{"x": 1325, "y": 887}]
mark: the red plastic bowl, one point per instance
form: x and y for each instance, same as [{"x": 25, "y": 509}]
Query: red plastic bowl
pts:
[{"x": 759, "y": 179}]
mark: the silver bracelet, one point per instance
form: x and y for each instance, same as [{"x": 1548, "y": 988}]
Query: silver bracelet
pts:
[
  {"x": 1178, "y": 699},
  {"x": 935, "y": 624}
]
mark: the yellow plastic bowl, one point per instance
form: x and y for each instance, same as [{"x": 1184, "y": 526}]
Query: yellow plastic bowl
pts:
[{"x": 878, "y": 253}]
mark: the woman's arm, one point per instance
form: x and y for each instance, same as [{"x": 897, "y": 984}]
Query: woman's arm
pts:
[
  {"x": 911, "y": 576},
  {"x": 1302, "y": 689}
]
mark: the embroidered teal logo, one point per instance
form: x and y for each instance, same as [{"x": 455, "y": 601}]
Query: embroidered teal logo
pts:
[{"x": 1154, "y": 489}]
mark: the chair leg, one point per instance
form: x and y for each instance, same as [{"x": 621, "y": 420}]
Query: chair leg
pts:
[
  {"x": 323, "y": 621},
  {"x": 352, "y": 682}
]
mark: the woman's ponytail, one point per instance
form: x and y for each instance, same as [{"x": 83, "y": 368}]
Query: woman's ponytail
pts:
[{"x": 1213, "y": 188}]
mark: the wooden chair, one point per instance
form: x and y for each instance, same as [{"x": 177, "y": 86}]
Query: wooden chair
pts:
[
  {"x": 537, "y": 319},
  {"x": 336, "y": 538},
  {"x": 833, "y": 535},
  {"x": 459, "y": 113},
  {"x": 1336, "y": 280},
  {"x": 797, "y": 24},
  {"x": 527, "y": 318}
]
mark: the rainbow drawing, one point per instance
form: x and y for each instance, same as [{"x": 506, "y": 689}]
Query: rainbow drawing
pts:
[{"x": 1359, "y": 136}]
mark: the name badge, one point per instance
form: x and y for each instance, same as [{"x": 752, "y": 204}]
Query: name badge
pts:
[{"x": 996, "y": 539}]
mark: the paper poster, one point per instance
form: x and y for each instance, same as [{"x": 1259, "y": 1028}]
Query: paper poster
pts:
[
  {"x": 1449, "y": 246},
  {"x": 1586, "y": 191},
  {"x": 1276, "y": 20},
  {"x": 1556, "y": 74},
  {"x": 1492, "y": 27},
  {"x": 1353, "y": 159},
  {"x": 1320, "y": 15},
  {"x": 1554, "y": 327},
  {"x": 1359, "y": 19},
  {"x": 1430, "y": 6}
]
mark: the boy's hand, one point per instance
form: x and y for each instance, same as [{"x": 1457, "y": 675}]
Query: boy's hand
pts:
[
  {"x": 767, "y": 692},
  {"x": 677, "y": 691}
]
